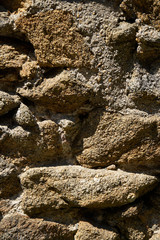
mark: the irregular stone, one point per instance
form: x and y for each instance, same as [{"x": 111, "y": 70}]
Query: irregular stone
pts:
[
  {"x": 29, "y": 70},
  {"x": 24, "y": 116},
  {"x": 48, "y": 142},
  {"x": 144, "y": 88},
  {"x": 40, "y": 144},
  {"x": 56, "y": 41},
  {"x": 156, "y": 235},
  {"x": 124, "y": 140},
  {"x": 147, "y": 11},
  {"x": 18, "y": 226},
  {"x": 12, "y": 54},
  {"x": 5, "y": 207},
  {"x": 62, "y": 93},
  {"x": 88, "y": 231},
  {"x": 74, "y": 186},
  {"x": 148, "y": 44},
  {"x": 9, "y": 181},
  {"x": 122, "y": 37},
  {"x": 125, "y": 32},
  {"x": 8, "y": 102}
]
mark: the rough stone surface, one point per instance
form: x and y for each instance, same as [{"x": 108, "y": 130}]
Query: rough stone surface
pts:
[
  {"x": 88, "y": 231},
  {"x": 76, "y": 186},
  {"x": 148, "y": 43},
  {"x": 9, "y": 181},
  {"x": 19, "y": 226},
  {"x": 147, "y": 11},
  {"x": 8, "y": 102},
  {"x": 24, "y": 116},
  {"x": 34, "y": 144},
  {"x": 79, "y": 119},
  {"x": 62, "y": 93},
  {"x": 124, "y": 140},
  {"x": 56, "y": 41}
]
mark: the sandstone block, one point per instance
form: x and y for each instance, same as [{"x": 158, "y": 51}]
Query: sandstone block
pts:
[
  {"x": 62, "y": 93},
  {"x": 87, "y": 231},
  {"x": 56, "y": 41},
  {"x": 147, "y": 11},
  {"x": 17, "y": 226},
  {"x": 125, "y": 140},
  {"x": 75, "y": 186}
]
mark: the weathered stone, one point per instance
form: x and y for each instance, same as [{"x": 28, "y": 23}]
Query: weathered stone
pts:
[
  {"x": 125, "y": 32},
  {"x": 55, "y": 39},
  {"x": 88, "y": 231},
  {"x": 75, "y": 186},
  {"x": 17, "y": 226},
  {"x": 148, "y": 44},
  {"x": 29, "y": 70},
  {"x": 147, "y": 11},
  {"x": 122, "y": 38},
  {"x": 125, "y": 140},
  {"x": 41, "y": 143},
  {"x": 24, "y": 116},
  {"x": 9, "y": 181},
  {"x": 12, "y": 55},
  {"x": 8, "y": 102},
  {"x": 62, "y": 93},
  {"x": 5, "y": 207}
]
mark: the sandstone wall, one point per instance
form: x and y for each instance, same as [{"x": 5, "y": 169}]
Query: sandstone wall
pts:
[{"x": 79, "y": 120}]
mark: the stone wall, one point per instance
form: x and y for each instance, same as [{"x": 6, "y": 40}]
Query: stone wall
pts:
[{"x": 79, "y": 120}]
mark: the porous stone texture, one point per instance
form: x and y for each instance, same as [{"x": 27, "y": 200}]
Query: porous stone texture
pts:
[
  {"x": 80, "y": 120},
  {"x": 56, "y": 187},
  {"x": 55, "y": 39},
  {"x": 125, "y": 140},
  {"x": 32, "y": 229},
  {"x": 88, "y": 231}
]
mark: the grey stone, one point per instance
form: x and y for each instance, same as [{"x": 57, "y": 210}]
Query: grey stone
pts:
[
  {"x": 8, "y": 102},
  {"x": 24, "y": 116}
]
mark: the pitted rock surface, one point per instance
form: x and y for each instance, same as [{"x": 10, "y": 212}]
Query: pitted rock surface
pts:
[
  {"x": 75, "y": 186},
  {"x": 79, "y": 119}
]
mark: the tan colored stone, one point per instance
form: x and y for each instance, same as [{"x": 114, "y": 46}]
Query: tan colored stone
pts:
[
  {"x": 29, "y": 70},
  {"x": 5, "y": 207},
  {"x": 62, "y": 93},
  {"x": 19, "y": 226},
  {"x": 74, "y": 186},
  {"x": 147, "y": 11},
  {"x": 125, "y": 140},
  {"x": 38, "y": 144},
  {"x": 55, "y": 39},
  {"x": 156, "y": 235},
  {"x": 15, "y": 63},
  {"x": 12, "y": 55},
  {"x": 87, "y": 231}
]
